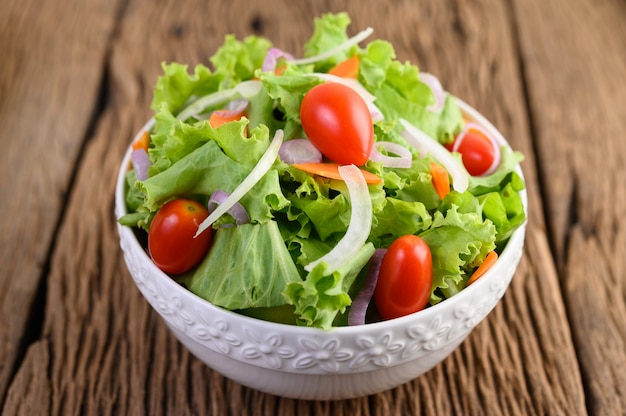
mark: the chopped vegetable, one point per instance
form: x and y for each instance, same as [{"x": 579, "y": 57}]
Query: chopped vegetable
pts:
[
  {"x": 272, "y": 57},
  {"x": 403, "y": 160},
  {"x": 437, "y": 90},
  {"x": 347, "y": 69},
  {"x": 331, "y": 171},
  {"x": 427, "y": 145},
  {"x": 358, "y": 308},
  {"x": 141, "y": 163},
  {"x": 299, "y": 151},
  {"x": 246, "y": 89},
  {"x": 441, "y": 181},
  {"x": 236, "y": 109},
  {"x": 237, "y": 211},
  {"x": 360, "y": 221},
  {"x": 142, "y": 142},
  {"x": 484, "y": 267}
]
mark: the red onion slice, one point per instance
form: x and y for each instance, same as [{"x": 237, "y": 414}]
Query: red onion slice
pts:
[
  {"x": 358, "y": 309},
  {"x": 435, "y": 86},
  {"x": 404, "y": 159},
  {"x": 273, "y": 55},
  {"x": 141, "y": 163},
  {"x": 237, "y": 211},
  {"x": 496, "y": 146},
  {"x": 299, "y": 151}
]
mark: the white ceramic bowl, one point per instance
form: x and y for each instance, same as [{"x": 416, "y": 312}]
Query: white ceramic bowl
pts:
[{"x": 310, "y": 363}]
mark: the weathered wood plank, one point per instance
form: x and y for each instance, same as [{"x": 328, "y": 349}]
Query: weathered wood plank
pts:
[
  {"x": 110, "y": 354},
  {"x": 49, "y": 87},
  {"x": 575, "y": 60}
]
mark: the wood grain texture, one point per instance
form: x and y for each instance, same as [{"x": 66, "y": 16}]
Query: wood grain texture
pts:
[
  {"x": 49, "y": 87},
  {"x": 102, "y": 350},
  {"x": 574, "y": 57}
]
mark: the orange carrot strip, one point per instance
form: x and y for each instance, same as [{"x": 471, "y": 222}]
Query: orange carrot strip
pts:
[
  {"x": 347, "y": 69},
  {"x": 441, "y": 180},
  {"x": 331, "y": 170},
  {"x": 142, "y": 142},
  {"x": 280, "y": 69},
  {"x": 219, "y": 118},
  {"x": 482, "y": 269}
]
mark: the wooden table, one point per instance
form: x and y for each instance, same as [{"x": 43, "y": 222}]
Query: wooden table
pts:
[{"x": 76, "y": 80}]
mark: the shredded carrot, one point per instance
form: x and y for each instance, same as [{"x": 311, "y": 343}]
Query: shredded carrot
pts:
[
  {"x": 219, "y": 118},
  {"x": 347, "y": 69},
  {"x": 485, "y": 265},
  {"x": 441, "y": 180},
  {"x": 142, "y": 142},
  {"x": 280, "y": 69},
  {"x": 331, "y": 170}
]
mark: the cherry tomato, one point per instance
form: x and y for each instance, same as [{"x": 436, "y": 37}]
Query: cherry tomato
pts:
[
  {"x": 477, "y": 152},
  {"x": 337, "y": 121},
  {"x": 405, "y": 278},
  {"x": 171, "y": 241}
]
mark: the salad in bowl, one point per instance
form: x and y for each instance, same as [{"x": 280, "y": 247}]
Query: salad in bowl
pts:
[{"x": 343, "y": 188}]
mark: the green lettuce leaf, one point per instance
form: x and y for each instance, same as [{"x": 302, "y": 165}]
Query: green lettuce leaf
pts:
[
  {"x": 321, "y": 296},
  {"x": 458, "y": 243},
  {"x": 176, "y": 86},
  {"x": 218, "y": 164},
  {"x": 329, "y": 31},
  {"x": 238, "y": 60},
  {"x": 249, "y": 267}
]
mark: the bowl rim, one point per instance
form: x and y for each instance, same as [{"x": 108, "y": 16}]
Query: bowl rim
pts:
[{"x": 507, "y": 256}]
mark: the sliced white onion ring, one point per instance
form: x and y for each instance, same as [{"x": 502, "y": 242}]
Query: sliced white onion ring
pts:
[
  {"x": 262, "y": 167},
  {"x": 299, "y": 151},
  {"x": 141, "y": 163},
  {"x": 356, "y": 39},
  {"x": 360, "y": 221},
  {"x": 358, "y": 308},
  {"x": 437, "y": 90},
  {"x": 494, "y": 143},
  {"x": 246, "y": 89},
  {"x": 427, "y": 145},
  {"x": 404, "y": 159},
  {"x": 237, "y": 211}
]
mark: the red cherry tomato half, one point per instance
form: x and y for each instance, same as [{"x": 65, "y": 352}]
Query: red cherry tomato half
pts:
[
  {"x": 405, "y": 278},
  {"x": 171, "y": 241},
  {"x": 477, "y": 152},
  {"x": 337, "y": 121}
]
